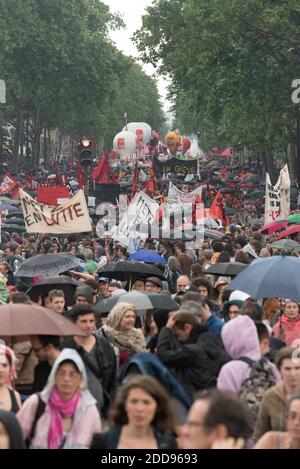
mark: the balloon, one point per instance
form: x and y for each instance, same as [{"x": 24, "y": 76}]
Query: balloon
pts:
[
  {"x": 154, "y": 139},
  {"x": 185, "y": 144},
  {"x": 141, "y": 130},
  {"x": 173, "y": 140},
  {"x": 124, "y": 144}
]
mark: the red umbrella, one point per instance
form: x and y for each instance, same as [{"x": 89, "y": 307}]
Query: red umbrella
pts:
[
  {"x": 289, "y": 231},
  {"x": 273, "y": 226},
  {"x": 226, "y": 153}
]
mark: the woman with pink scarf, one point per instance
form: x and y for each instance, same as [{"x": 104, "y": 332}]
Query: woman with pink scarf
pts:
[
  {"x": 69, "y": 415},
  {"x": 287, "y": 328}
]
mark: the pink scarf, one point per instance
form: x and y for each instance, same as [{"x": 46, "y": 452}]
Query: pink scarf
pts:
[{"x": 60, "y": 409}]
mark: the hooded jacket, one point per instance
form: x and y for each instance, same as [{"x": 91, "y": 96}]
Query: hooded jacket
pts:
[
  {"x": 240, "y": 339},
  {"x": 86, "y": 420}
]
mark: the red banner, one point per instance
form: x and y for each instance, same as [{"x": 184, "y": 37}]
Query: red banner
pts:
[
  {"x": 50, "y": 195},
  {"x": 7, "y": 184}
]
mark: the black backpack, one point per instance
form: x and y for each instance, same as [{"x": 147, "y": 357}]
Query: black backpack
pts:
[{"x": 38, "y": 413}]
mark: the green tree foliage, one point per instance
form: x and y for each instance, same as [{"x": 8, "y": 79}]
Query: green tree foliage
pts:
[
  {"x": 230, "y": 65},
  {"x": 62, "y": 71}
]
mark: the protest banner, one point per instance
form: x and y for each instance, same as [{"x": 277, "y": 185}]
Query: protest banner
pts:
[
  {"x": 141, "y": 211},
  {"x": 272, "y": 202},
  {"x": 176, "y": 166},
  {"x": 8, "y": 183},
  {"x": 71, "y": 217},
  {"x": 283, "y": 187},
  {"x": 179, "y": 201}
]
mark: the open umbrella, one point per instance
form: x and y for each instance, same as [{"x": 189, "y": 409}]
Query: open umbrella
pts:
[
  {"x": 129, "y": 270},
  {"x": 10, "y": 208},
  {"x": 141, "y": 300},
  {"x": 12, "y": 227},
  {"x": 273, "y": 226},
  {"x": 295, "y": 218},
  {"x": 148, "y": 256},
  {"x": 228, "y": 269},
  {"x": 272, "y": 277},
  {"x": 17, "y": 213},
  {"x": 62, "y": 282},
  {"x": 16, "y": 221},
  {"x": 289, "y": 231},
  {"x": 47, "y": 265},
  {"x": 258, "y": 194},
  {"x": 24, "y": 320},
  {"x": 213, "y": 234},
  {"x": 287, "y": 244}
]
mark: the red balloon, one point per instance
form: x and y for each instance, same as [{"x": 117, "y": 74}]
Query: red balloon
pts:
[{"x": 185, "y": 144}]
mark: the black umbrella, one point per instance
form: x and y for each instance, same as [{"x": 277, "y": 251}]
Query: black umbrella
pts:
[
  {"x": 16, "y": 213},
  {"x": 227, "y": 269},
  {"x": 16, "y": 221},
  {"x": 62, "y": 282},
  {"x": 12, "y": 228},
  {"x": 141, "y": 300},
  {"x": 129, "y": 270},
  {"x": 47, "y": 265}
]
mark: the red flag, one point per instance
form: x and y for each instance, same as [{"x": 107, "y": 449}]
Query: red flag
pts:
[
  {"x": 80, "y": 176},
  {"x": 150, "y": 186},
  {"x": 8, "y": 183},
  {"x": 217, "y": 209},
  {"x": 101, "y": 173},
  {"x": 134, "y": 180}
]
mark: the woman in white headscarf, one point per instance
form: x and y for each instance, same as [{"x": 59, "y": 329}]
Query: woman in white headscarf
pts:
[
  {"x": 120, "y": 331},
  {"x": 64, "y": 415}
]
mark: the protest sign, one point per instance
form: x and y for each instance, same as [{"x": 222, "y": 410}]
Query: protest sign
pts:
[
  {"x": 71, "y": 217},
  {"x": 178, "y": 200},
  {"x": 272, "y": 202}
]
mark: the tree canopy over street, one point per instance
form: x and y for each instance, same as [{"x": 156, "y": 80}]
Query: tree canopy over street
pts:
[
  {"x": 63, "y": 72},
  {"x": 232, "y": 64}
]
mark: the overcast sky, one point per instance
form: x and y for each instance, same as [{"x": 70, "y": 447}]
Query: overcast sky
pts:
[{"x": 131, "y": 12}]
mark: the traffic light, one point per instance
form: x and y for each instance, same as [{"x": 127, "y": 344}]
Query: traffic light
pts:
[{"x": 85, "y": 151}]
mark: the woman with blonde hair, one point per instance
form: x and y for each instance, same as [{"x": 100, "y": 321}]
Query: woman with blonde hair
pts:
[{"x": 121, "y": 333}]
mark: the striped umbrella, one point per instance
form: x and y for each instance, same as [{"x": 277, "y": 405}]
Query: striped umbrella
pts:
[{"x": 287, "y": 244}]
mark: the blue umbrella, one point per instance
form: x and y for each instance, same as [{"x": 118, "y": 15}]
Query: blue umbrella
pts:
[
  {"x": 272, "y": 277},
  {"x": 147, "y": 256},
  {"x": 10, "y": 208}
]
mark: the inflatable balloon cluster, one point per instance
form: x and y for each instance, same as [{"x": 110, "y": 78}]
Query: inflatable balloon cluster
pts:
[
  {"x": 133, "y": 138},
  {"x": 176, "y": 143}
]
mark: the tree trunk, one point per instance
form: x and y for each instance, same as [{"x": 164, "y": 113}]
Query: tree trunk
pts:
[
  {"x": 292, "y": 161},
  {"x": 271, "y": 166},
  {"x": 17, "y": 137},
  {"x": 36, "y": 144}
]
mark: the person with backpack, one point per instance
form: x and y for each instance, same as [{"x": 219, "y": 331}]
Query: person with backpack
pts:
[
  {"x": 64, "y": 415},
  {"x": 247, "y": 375}
]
